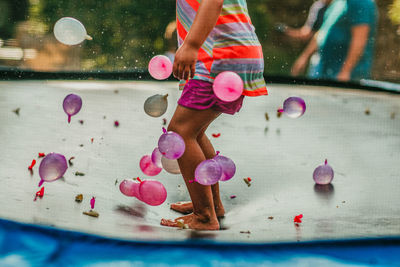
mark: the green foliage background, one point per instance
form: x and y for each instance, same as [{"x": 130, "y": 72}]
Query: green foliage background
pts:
[{"x": 127, "y": 33}]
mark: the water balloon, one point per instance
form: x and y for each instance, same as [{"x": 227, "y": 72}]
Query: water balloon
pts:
[
  {"x": 208, "y": 172},
  {"x": 70, "y": 31},
  {"x": 148, "y": 167},
  {"x": 72, "y": 104},
  {"x": 171, "y": 145},
  {"x": 156, "y": 105},
  {"x": 227, "y": 165},
  {"x": 323, "y": 174},
  {"x": 52, "y": 167},
  {"x": 228, "y": 86},
  {"x": 170, "y": 165},
  {"x": 130, "y": 188},
  {"x": 152, "y": 192},
  {"x": 156, "y": 157},
  {"x": 160, "y": 67},
  {"x": 293, "y": 107}
]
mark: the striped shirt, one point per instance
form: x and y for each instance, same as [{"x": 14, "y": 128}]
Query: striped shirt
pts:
[{"x": 232, "y": 45}]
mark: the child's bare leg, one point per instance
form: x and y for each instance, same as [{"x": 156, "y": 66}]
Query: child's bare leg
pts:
[
  {"x": 187, "y": 207},
  {"x": 189, "y": 124}
]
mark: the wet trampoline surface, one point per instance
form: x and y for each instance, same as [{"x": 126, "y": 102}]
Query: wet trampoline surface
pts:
[{"x": 279, "y": 155}]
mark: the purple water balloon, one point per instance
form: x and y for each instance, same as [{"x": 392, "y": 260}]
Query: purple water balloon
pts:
[
  {"x": 323, "y": 174},
  {"x": 293, "y": 107},
  {"x": 52, "y": 167},
  {"x": 160, "y": 67},
  {"x": 171, "y": 145},
  {"x": 170, "y": 165},
  {"x": 130, "y": 188},
  {"x": 72, "y": 104},
  {"x": 152, "y": 192},
  {"x": 156, "y": 157},
  {"x": 227, "y": 165},
  {"x": 148, "y": 167},
  {"x": 208, "y": 172}
]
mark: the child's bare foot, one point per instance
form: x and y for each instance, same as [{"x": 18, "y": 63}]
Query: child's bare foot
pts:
[
  {"x": 193, "y": 222},
  {"x": 186, "y": 207}
]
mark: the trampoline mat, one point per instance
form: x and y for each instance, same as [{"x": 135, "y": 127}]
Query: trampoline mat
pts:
[{"x": 357, "y": 131}]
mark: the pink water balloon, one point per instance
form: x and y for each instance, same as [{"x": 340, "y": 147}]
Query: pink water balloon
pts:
[
  {"x": 152, "y": 192},
  {"x": 72, "y": 104},
  {"x": 293, "y": 107},
  {"x": 148, "y": 167},
  {"x": 160, "y": 67},
  {"x": 323, "y": 174},
  {"x": 130, "y": 188},
  {"x": 227, "y": 165},
  {"x": 228, "y": 86},
  {"x": 170, "y": 165},
  {"x": 171, "y": 145},
  {"x": 52, "y": 167},
  {"x": 156, "y": 157},
  {"x": 208, "y": 172}
]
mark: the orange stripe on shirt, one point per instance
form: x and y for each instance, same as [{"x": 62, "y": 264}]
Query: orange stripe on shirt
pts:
[
  {"x": 256, "y": 92},
  {"x": 181, "y": 30},
  {"x": 239, "y": 51},
  {"x": 232, "y": 18}
]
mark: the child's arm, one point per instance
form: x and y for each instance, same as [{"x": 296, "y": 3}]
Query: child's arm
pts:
[{"x": 204, "y": 22}]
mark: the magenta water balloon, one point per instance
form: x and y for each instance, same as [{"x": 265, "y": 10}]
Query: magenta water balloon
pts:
[
  {"x": 160, "y": 67},
  {"x": 130, "y": 188},
  {"x": 170, "y": 165},
  {"x": 228, "y": 86},
  {"x": 152, "y": 192},
  {"x": 208, "y": 172},
  {"x": 323, "y": 174},
  {"x": 294, "y": 107},
  {"x": 227, "y": 165},
  {"x": 171, "y": 145},
  {"x": 52, "y": 167},
  {"x": 148, "y": 167},
  {"x": 156, "y": 157},
  {"x": 156, "y": 105},
  {"x": 72, "y": 104}
]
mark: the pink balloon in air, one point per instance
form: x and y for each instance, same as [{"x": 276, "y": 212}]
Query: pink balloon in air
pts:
[
  {"x": 293, "y": 107},
  {"x": 323, "y": 174},
  {"x": 228, "y": 86},
  {"x": 208, "y": 172},
  {"x": 148, "y": 167},
  {"x": 156, "y": 157},
  {"x": 130, "y": 188},
  {"x": 52, "y": 167},
  {"x": 152, "y": 192},
  {"x": 160, "y": 67},
  {"x": 72, "y": 104},
  {"x": 171, "y": 145},
  {"x": 227, "y": 165}
]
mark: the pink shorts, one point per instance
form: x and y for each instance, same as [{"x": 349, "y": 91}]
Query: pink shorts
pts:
[{"x": 198, "y": 94}]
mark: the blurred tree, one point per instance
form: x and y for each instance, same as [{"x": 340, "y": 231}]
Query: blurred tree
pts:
[
  {"x": 126, "y": 33},
  {"x": 12, "y": 11}
]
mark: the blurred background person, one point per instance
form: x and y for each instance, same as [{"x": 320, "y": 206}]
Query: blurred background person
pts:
[
  {"x": 345, "y": 42},
  {"x": 306, "y": 32}
]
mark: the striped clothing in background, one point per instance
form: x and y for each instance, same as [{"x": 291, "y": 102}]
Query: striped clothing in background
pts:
[{"x": 231, "y": 46}]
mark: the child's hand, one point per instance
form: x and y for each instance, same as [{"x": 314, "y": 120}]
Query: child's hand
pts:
[{"x": 185, "y": 61}]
